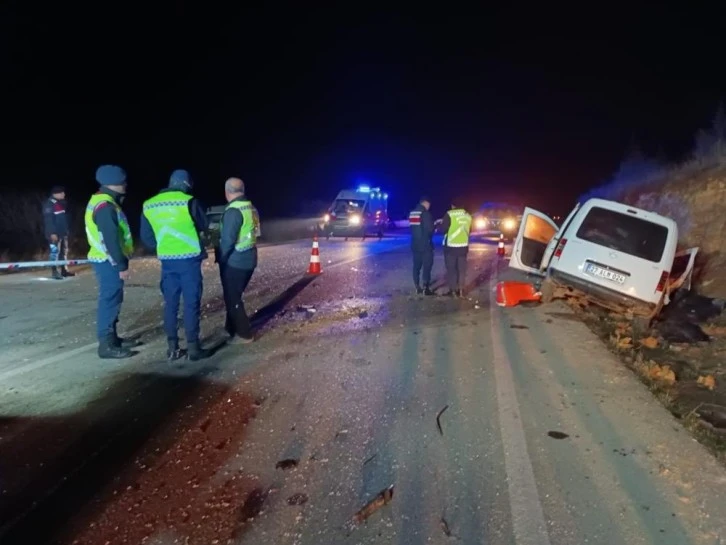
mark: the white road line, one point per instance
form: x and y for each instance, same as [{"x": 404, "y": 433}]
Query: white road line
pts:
[
  {"x": 528, "y": 520},
  {"x": 32, "y": 366}
]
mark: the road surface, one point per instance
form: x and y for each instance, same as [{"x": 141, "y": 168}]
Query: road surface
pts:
[{"x": 493, "y": 426}]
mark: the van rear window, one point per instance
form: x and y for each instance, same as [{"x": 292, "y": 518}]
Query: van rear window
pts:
[{"x": 624, "y": 233}]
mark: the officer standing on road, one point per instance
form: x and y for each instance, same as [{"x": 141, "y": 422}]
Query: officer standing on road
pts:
[
  {"x": 111, "y": 246},
  {"x": 422, "y": 229},
  {"x": 56, "y": 230},
  {"x": 237, "y": 257},
  {"x": 457, "y": 225},
  {"x": 172, "y": 224}
]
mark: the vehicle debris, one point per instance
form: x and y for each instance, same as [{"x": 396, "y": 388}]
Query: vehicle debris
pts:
[
  {"x": 287, "y": 463},
  {"x": 445, "y": 527},
  {"x": 518, "y": 326},
  {"x": 382, "y": 498},
  {"x": 370, "y": 459},
  {"x": 557, "y": 434},
  {"x": 297, "y": 499},
  {"x": 438, "y": 419}
]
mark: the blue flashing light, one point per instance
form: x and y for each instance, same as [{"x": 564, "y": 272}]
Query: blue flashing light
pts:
[
  {"x": 364, "y": 189},
  {"x": 385, "y": 195}
]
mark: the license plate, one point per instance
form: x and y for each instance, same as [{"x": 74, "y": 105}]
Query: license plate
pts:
[{"x": 599, "y": 272}]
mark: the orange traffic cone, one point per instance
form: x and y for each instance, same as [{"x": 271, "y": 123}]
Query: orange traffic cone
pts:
[
  {"x": 500, "y": 248},
  {"x": 314, "y": 267},
  {"x": 510, "y": 294}
]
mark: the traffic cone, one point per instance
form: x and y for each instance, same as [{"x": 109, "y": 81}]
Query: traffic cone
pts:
[
  {"x": 314, "y": 267},
  {"x": 500, "y": 248}
]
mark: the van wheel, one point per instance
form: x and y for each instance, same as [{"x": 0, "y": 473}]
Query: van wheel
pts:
[{"x": 547, "y": 289}]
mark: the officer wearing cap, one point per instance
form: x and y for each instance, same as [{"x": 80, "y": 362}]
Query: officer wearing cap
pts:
[
  {"x": 171, "y": 224},
  {"x": 55, "y": 221},
  {"x": 111, "y": 246}
]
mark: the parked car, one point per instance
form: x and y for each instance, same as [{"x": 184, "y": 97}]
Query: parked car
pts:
[{"x": 617, "y": 256}]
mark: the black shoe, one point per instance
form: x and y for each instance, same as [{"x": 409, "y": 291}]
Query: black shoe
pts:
[
  {"x": 460, "y": 293},
  {"x": 174, "y": 352},
  {"x": 419, "y": 291},
  {"x": 108, "y": 351},
  {"x": 56, "y": 275},
  {"x": 126, "y": 343},
  {"x": 236, "y": 339},
  {"x": 428, "y": 291},
  {"x": 67, "y": 274},
  {"x": 196, "y": 352}
]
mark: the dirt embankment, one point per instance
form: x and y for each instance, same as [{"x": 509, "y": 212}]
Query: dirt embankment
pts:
[{"x": 696, "y": 200}]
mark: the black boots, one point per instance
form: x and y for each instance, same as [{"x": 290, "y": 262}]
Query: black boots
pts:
[
  {"x": 55, "y": 274},
  {"x": 65, "y": 273},
  {"x": 196, "y": 352},
  {"x": 108, "y": 349}
]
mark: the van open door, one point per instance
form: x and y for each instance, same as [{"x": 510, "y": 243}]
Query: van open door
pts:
[
  {"x": 682, "y": 270},
  {"x": 535, "y": 232}
]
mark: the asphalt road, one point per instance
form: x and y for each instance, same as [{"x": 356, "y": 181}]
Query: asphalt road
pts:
[{"x": 496, "y": 426}]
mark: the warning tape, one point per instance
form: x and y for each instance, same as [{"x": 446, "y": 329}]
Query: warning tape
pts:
[{"x": 30, "y": 264}]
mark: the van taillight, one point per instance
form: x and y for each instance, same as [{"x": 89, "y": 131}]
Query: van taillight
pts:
[
  {"x": 662, "y": 282},
  {"x": 560, "y": 247}
]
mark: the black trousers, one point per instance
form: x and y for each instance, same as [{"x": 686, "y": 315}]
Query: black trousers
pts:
[
  {"x": 455, "y": 260},
  {"x": 234, "y": 282},
  {"x": 423, "y": 261},
  {"x": 58, "y": 252}
]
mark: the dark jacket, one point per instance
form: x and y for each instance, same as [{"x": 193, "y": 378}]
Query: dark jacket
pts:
[
  {"x": 199, "y": 217},
  {"x": 232, "y": 222},
  {"x": 55, "y": 218},
  {"x": 106, "y": 219},
  {"x": 422, "y": 228}
]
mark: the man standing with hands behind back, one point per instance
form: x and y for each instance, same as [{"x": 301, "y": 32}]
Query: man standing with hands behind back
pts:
[
  {"x": 237, "y": 257},
  {"x": 111, "y": 246}
]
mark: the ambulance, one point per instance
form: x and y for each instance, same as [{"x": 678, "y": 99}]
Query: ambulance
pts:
[{"x": 359, "y": 212}]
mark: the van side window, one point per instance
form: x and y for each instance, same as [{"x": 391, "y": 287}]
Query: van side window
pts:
[{"x": 624, "y": 233}]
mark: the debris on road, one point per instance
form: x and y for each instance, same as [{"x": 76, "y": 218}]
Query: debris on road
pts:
[
  {"x": 370, "y": 459},
  {"x": 287, "y": 463},
  {"x": 707, "y": 381},
  {"x": 363, "y": 314},
  {"x": 438, "y": 419},
  {"x": 445, "y": 527},
  {"x": 306, "y": 308},
  {"x": 510, "y": 294},
  {"x": 557, "y": 435},
  {"x": 297, "y": 499},
  {"x": 518, "y": 326},
  {"x": 649, "y": 342},
  {"x": 382, "y": 498}
]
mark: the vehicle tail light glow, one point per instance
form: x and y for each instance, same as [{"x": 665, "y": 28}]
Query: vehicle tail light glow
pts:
[
  {"x": 560, "y": 247},
  {"x": 662, "y": 282}
]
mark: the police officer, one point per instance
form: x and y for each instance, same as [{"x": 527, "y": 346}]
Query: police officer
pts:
[
  {"x": 422, "y": 229},
  {"x": 172, "y": 224},
  {"x": 457, "y": 225},
  {"x": 237, "y": 257},
  {"x": 111, "y": 246},
  {"x": 56, "y": 230}
]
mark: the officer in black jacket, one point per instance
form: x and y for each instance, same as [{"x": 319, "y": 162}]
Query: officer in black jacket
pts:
[
  {"x": 422, "y": 231},
  {"x": 55, "y": 220}
]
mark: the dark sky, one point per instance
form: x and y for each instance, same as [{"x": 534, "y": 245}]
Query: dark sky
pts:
[{"x": 524, "y": 103}]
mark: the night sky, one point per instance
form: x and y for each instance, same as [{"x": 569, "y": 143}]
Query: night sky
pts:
[{"x": 523, "y": 103}]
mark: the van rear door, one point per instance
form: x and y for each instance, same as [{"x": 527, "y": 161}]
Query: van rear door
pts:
[
  {"x": 619, "y": 248},
  {"x": 535, "y": 233}
]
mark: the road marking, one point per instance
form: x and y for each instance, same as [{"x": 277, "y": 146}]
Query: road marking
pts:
[
  {"x": 528, "y": 520},
  {"x": 32, "y": 366}
]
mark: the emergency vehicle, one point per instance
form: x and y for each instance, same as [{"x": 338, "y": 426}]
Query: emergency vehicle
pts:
[
  {"x": 357, "y": 212},
  {"x": 496, "y": 219}
]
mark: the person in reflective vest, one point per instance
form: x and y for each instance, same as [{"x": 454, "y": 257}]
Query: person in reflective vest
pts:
[
  {"x": 237, "y": 257},
  {"x": 457, "y": 225},
  {"x": 111, "y": 246},
  {"x": 422, "y": 247},
  {"x": 172, "y": 223}
]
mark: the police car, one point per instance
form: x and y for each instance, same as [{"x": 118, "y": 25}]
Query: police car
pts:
[
  {"x": 496, "y": 219},
  {"x": 357, "y": 212}
]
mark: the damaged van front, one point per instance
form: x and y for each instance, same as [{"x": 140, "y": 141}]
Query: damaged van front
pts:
[{"x": 609, "y": 253}]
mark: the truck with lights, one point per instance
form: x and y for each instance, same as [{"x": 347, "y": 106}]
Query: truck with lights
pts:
[
  {"x": 497, "y": 219},
  {"x": 359, "y": 212}
]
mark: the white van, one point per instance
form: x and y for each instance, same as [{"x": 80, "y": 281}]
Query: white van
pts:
[{"x": 614, "y": 255}]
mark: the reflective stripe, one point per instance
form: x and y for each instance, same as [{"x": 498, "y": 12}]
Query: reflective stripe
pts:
[
  {"x": 458, "y": 234},
  {"x": 98, "y": 252},
  {"x": 169, "y": 216},
  {"x": 250, "y": 230}
]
